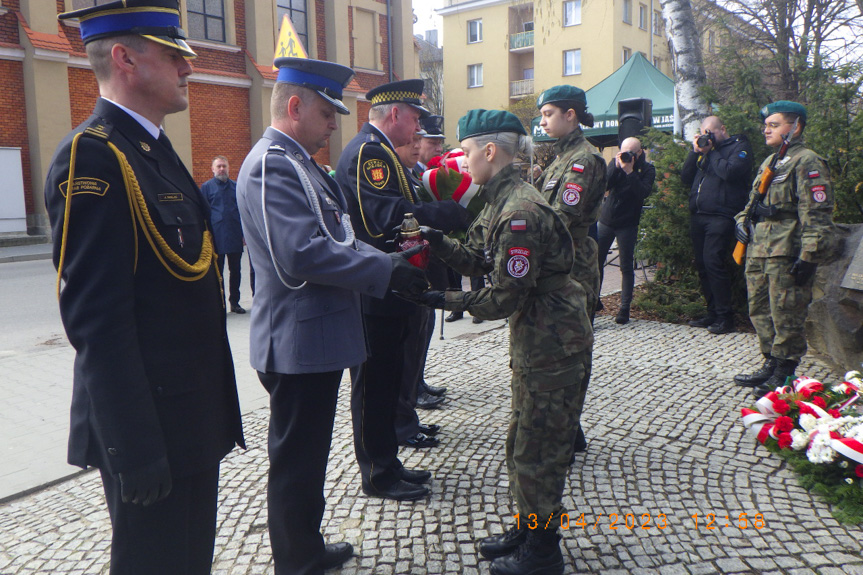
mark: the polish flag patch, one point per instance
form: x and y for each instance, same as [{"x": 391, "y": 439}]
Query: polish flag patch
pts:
[
  {"x": 814, "y": 174},
  {"x": 518, "y": 225},
  {"x": 577, "y": 168}
]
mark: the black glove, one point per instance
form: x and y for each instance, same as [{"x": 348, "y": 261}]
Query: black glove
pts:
[
  {"x": 433, "y": 236},
  {"x": 803, "y": 271},
  {"x": 741, "y": 232},
  {"x": 146, "y": 485},
  {"x": 406, "y": 277},
  {"x": 433, "y": 298}
]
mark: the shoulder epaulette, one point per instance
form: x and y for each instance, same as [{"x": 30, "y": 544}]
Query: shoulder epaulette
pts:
[{"x": 99, "y": 130}]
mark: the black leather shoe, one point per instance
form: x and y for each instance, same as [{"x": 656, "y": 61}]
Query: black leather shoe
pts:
[
  {"x": 705, "y": 321},
  {"x": 415, "y": 476},
  {"x": 622, "y": 316},
  {"x": 431, "y": 429},
  {"x": 335, "y": 554},
  {"x": 426, "y": 401},
  {"x": 539, "y": 555},
  {"x": 237, "y": 309},
  {"x": 454, "y": 316},
  {"x": 400, "y": 491},
  {"x": 759, "y": 376},
  {"x": 503, "y": 544},
  {"x": 420, "y": 441},
  {"x": 476, "y": 320},
  {"x": 722, "y": 325},
  {"x": 580, "y": 441},
  {"x": 435, "y": 391}
]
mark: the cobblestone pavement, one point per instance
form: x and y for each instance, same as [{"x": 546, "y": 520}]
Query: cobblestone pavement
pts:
[{"x": 665, "y": 444}]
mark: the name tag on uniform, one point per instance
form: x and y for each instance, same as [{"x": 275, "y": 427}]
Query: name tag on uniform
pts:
[{"x": 173, "y": 197}]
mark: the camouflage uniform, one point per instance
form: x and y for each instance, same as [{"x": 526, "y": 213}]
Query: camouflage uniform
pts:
[
  {"x": 801, "y": 228},
  {"x": 523, "y": 244},
  {"x": 574, "y": 185}
]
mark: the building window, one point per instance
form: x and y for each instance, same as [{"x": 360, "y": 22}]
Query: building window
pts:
[
  {"x": 474, "y": 31},
  {"x": 571, "y": 62},
  {"x": 627, "y": 54},
  {"x": 657, "y": 22},
  {"x": 657, "y": 63},
  {"x": 206, "y": 19},
  {"x": 627, "y": 11},
  {"x": 572, "y": 13},
  {"x": 711, "y": 41},
  {"x": 474, "y": 76},
  {"x": 296, "y": 11},
  {"x": 527, "y": 74},
  {"x": 642, "y": 16}
]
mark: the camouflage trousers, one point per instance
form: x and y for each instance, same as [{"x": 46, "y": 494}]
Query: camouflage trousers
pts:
[
  {"x": 545, "y": 410},
  {"x": 777, "y": 307},
  {"x": 585, "y": 270}
]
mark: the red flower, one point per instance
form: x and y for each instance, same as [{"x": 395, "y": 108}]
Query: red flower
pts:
[
  {"x": 806, "y": 393},
  {"x": 816, "y": 387},
  {"x": 785, "y": 441},
  {"x": 784, "y": 424},
  {"x": 834, "y": 413},
  {"x": 859, "y": 470},
  {"x": 781, "y": 407},
  {"x": 804, "y": 408},
  {"x": 819, "y": 401}
]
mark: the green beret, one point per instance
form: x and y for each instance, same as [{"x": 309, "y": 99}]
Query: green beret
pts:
[
  {"x": 784, "y": 107},
  {"x": 480, "y": 122},
  {"x": 560, "y": 94}
]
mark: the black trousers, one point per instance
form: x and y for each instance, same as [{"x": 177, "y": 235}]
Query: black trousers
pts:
[
  {"x": 626, "y": 238},
  {"x": 712, "y": 241},
  {"x": 174, "y": 536},
  {"x": 234, "y": 269},
  {"x": 416, "y": 349},
  {"x": 376, "y": 385},
  {"x": 302, "y": 411}
]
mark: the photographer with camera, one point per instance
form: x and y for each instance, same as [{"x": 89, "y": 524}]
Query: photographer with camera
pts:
[
  {"x": 630, "y": 181},
  {"x": 718, "y": 172}
]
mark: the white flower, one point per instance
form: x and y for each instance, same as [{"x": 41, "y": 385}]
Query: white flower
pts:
[
  {"x": 819, "y": 448},
  {"x": 808, "y": 421},
  {"x": 849, "y": 481},
  {"x": 844, "y": 465},
  {"x": 799, "y": 440}
]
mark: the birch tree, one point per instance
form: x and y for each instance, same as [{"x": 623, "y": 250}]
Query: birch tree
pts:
[{"x": 685, "y": 46}]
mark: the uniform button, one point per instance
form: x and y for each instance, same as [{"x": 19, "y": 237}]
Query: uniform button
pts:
[
  {"x": 113, "y": 451},
  {"x": 179, "y": 220}
]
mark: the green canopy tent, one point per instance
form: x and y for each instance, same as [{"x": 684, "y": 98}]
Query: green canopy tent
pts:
[{"x": 638, "y": 78}]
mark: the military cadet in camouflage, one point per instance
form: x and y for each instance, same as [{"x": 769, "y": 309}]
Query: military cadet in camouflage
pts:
[
  {"x": 574, "y": 184},
  {"x": 790, "y": 233},
  {"x": 523, "y": 244}
]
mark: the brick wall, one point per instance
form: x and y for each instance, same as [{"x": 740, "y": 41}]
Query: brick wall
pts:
[
  {"x": 83, "y": 92},
  {"x": 362, "y": 113},
  {"x": 321, "y": 29},
  {"x": 13, "y": 121},
  {"x": 220, "y": 126}
]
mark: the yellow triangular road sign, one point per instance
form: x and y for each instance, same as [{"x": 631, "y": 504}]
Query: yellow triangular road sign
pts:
[{"x": 288, "y": 43}]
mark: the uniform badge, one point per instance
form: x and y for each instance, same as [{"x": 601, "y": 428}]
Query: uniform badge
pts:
[
  {"x": 518, "y": 225},
  {"x": 814, "y": 174},
  {"x": 377, "y": 172},
  {"x": 784, "y": 160},
  {"x": 93, "y": 186},
  {"x": 577, "y": 168},
  {"x": 571, "y": 194},
  {"x": 780, "y": 178},
  {"x": 145, "y": 146},
  {"x": 518, "y": 264},
  {"x": 742, "y": 154},
  {"x": 818, "y": 193},
  {"x": 550, "y": 184}
]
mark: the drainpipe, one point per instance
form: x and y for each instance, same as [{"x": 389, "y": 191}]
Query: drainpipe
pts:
[{"x": 390, "y": 41}]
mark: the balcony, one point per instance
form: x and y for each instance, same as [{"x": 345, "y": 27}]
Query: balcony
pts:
[
  {"x": 521, "y": 88},
  {"x": 521, "y": 42}
]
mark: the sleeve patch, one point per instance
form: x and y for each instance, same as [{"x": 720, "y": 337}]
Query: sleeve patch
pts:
[
  {"x": 518, "y": 225},
  {"x": 578, "y": 168},
  {"x": 93, "y": 186},
  {"x": 570, "y": 196},
  {"x": 376, "y": 172},
  {"x": 518, "y": 265},
  {"x": 519, "y": 252},
  {"x": 818, "y": 194},
  {"x": 814, "y": 174}
]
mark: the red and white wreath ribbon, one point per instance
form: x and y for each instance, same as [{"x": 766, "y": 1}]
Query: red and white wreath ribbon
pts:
[{"x": 850, "y": 448}]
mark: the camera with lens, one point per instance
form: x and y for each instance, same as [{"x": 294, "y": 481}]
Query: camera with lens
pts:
[
  {"x": 626, "y": 157},
  {"x": 705, "y": 139}
]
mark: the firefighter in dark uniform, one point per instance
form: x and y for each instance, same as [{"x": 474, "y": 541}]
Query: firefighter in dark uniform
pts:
[
  {"x": 154, "y": 400},
  {"x": 379, "y": 195}
]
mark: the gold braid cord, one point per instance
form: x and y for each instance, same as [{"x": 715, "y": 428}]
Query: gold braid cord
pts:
[
  {"x": 139, "y": 211},
  {"x": 404, "y": 186}
]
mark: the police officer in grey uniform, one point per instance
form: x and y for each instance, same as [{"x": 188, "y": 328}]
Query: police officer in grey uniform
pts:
[{"x": 306, "y": 325}]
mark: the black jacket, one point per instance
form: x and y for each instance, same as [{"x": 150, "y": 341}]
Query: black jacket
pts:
[
  {"x": 720, "y": 180},
  {"x": 627, "y": 192}
]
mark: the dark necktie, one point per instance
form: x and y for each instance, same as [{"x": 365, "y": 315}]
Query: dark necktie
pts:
[{"x": 166, "y": 143}]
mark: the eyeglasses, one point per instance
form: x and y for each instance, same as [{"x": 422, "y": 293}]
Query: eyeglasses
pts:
[{"x": 773, "y": 125}]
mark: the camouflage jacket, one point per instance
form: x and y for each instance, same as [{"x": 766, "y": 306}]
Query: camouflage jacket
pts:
[
  {"x": 523, "y": 244},
  {"x": 801, "y": 196},
  {"x": 575, "y": 182}
]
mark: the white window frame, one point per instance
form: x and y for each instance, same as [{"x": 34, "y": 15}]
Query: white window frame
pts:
[
  {"x": 576, "y": 13},
  {"x": 642, "y": 16},
  {"x": 626, "y": 54},
  {"x": 474, "y": 80},
  {"x": 478, "y": 23},
  {"x": 627, "y": 12},
  {"x": 576, "y": 67}
]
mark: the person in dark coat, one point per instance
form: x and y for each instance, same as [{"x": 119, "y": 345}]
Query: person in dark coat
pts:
[
  {"x": 221, "y": 193},
  {"x": 380, "y": 203},
  {"x": 307, "y": 325},
  {"x": 718, "y": 171},
  {"x": 630, "y": 181},
  {"x": 154, "y": 399}
]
